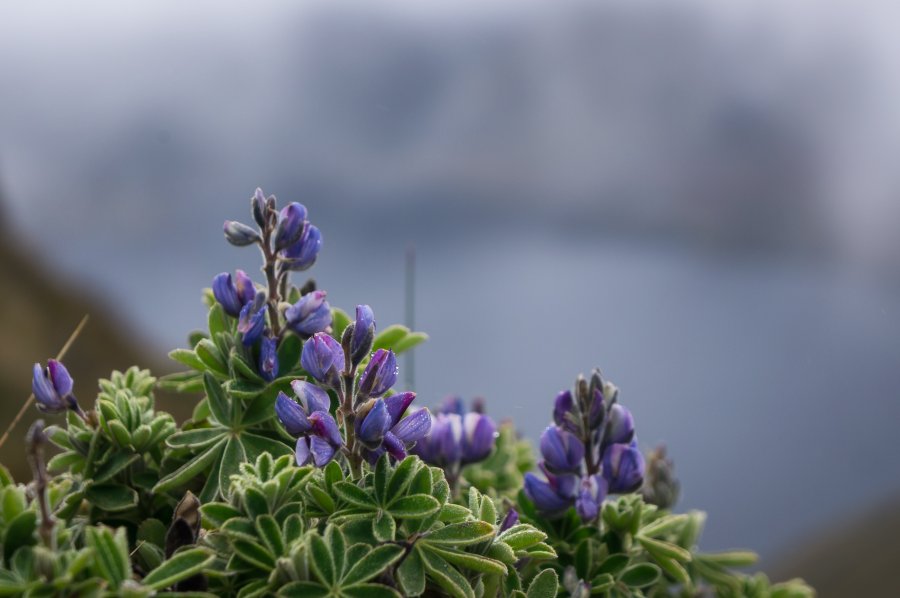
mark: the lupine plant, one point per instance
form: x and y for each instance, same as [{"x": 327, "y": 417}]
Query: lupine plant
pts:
[{"x": 305, "y": 471}]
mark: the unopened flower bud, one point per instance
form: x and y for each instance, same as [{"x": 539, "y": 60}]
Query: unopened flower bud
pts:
[
  {"x": 240, "y": 234},
  {"x": 233, "y": 293},
  {"x": 623, "y": 468},
  {"x": 564, "y": 411},
  {"x": 619, "y": 425},
  {"x": 363, "y": 334},
  {"x": 258, "y": 207},
  {"x": 544, "y": 497},
  {"x": 291, "y": 415},
  {"x": 252, "y": 320},
  {"x": 590, "y": 497},
  {"x": 562, "y": 450},
  {"x": 52, "y": 387},
  {"x": 323, "y": 358},
  {"x": 380, "y": 374},
  {"x": 373, "y": 421},
  {"x": 291, "y": 221},
  {"x": 511, "y": 519},
  {"x": 268, "y": 358}
]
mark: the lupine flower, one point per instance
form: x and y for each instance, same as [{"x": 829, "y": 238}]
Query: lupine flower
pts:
[
  {"x": 457, "y": 438},
  {"x": 323, "y": 358},
  {"x": 52, "y": 387},
  {"x": 311, "y": 314},
  {"x": 623, "y": 468},
  {"x": 362, "y": 333},
  {"x": 258, "y": 207},
  {"x": 511, "y": 519},
  {"x": 619, "y": 426},
  {"x": 381, "y": 426},
  {"x": 301, "y": 255},
  {"x": 233, "y": 293},
  {"x": 563, "y": 411},
  {"x": 252, "y": 319},
  {"x": 239, "y": 234},
  {"x": 590, "y": 497},
  {"x": 562, "y": 451},
  {"x": 544, "y": 496},
  {"x": 291, "y": 221},
  {"x": 268, "y": 358},
  {"x": 318, "y": 436},
  {"x": 380, "y": 374}
]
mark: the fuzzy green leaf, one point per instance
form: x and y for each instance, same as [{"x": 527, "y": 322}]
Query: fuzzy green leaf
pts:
[
  {"x": 640, "y": 575},
  {"x": 474, "y": 562},
  {"x": 411, "y": 574},
  {"x": 354, "y": 495},
  {"x": 446, "y": 576},
  {"x": 303, "y": 589},
  {"x": 321, "y": 560},
  {"x": 182, "y": 565},
  {"x": 191, "y": 469},
  {"x": 462, "y": 534},
  {"x": 369, "y": 590},
  {"x": 196, "y": 438},
  {"x": 218, "y": 402},
  {"x": 377, "y": 561},
  {"x": 111, "y": 497},
  {"x": 188, "y": 358},
  {"x": 545, "y": 585},
  {"x": 414, "y": 506}
]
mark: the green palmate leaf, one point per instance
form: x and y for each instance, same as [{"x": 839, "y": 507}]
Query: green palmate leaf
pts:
[
  {"x": 321, "y": 560},
  {"x": 411, "y": 574},
  {"x": 369, "y": 590},
  {"x": 545, "y": 585},
  {"x": 402, "y": 476},
  {"x": 255, "y": 445},
  {"x": 666, "y": 549},
  {"x": 664, "y": 525},
  {"x": 230, "y": 464},
  {"x": 242, "y": 367},
  {"x": 475, "y": 562},
  {"x": 111, "y": 497},
  {"x": 254, "y": 554},
  {"x": 110, "y": 554},
  {"x": 191, "y": 469},
  {"x": 289, "y": 352},
  {"x": 614, "y": 564},
  {"x": 380, "y": 479},
  {"x": 19, "y": 532},
  {"x": 384, "y": 528},
  {"x": 196, "y": 438},
  {"x": 374, "y": 563},
  {"x": 260, "y": 409},
  {"x": 673, "y": 568},
  {"x": 446, "y": 576},
  {"x": 409, "y": 341},
  {"x": 270, "y": 534},
  {"x": 414, "y": 506},
  {"x": 462, "y": 534},
  {"x": 451, "y": 513},
  {"x": 640, "y": 575},
  {"x": 389, "y": 337},
  {"x": 522, "y": 536},
  {"x": 303, "y": 589},
  {"x": 181, "y": 566},
  {"x": 218, "y": 402},
  {"x": 354, "y": 495},
  {"x": 734, "y": 558},
  {"x": 217, "y": 320},
  {"x": 215, "y": 514},
  {"x": 211, "y": 357},
  {"x": 188, "y": 358}
]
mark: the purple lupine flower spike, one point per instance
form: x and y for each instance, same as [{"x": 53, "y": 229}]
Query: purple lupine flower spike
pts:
[
  {"x": 380, "y": 374},
  {"x": 623, "y": 468},
  {"x": 323, "y": 358},
  {"x": 311, "y": 314},
  {"x": 268, "y": 358},
  {"x": 311, "y": 396},
  {"x": 239, "y": 234},
  {"x": 373, "y": 424},
  {"x": 302, "y": 254},
  {"x": 363, "y": 334},
  {"x": 291, "y": 221},
  {"x": 619, "y": 425},
  {"x": 562, "y": 451},
  {"x": 545, "y": 499},
  {"x": 478, "y": 436},
  {"x": 291, "y": 415},
  {"x": 52, "y": 387}
]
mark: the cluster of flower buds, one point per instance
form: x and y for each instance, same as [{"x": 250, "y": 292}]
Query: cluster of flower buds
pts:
[
  {"x": 660, "y": 487},
  {"x": 288, "y": 243},
  {"x": 309, "y": 421},
  {"x": 458, "y": 437},
  {"x": 380, "y": 423},
  {"x": 52, "y": 387},
  {"x": 589, "y": 452}
]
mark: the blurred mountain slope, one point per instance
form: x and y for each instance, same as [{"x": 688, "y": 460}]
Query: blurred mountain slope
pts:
[
  {"x": 38, "y": 311},
  {"x": 858, "y": 558}
]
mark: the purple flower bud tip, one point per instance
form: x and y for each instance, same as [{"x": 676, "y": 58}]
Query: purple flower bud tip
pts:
[
  {"x": 52, "y": 387},
  {"x": 511, "y": 519},
  {"x": 291, "y": 415},
  {"x": 301, "y": 255},
  {"x": 252, "y": 319},
  {"x": 239, "y": 234},
  {"x": 380, "y": 374},
  {"x": 311, "y": 314},
  {"x": 563, "y": 406},
  {"x": 291, "y": 221},
  {"x": 561, "y": 450},
  {"x": 258, "y": 207},
  {"x": 374, "y": 424},
  {"x": 619, "y": 425},
  {"x": 311, "y": 396},
  {"x": 479, "y": 432},
  {"x": 363, "y": 333},
  {"x": 623, "y": 468},
  {"x": 323, "y": 358},
  {"x": 268, "y": 358}
]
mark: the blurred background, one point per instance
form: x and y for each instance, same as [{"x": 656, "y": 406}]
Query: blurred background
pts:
[{"x": 699, "y": 197}]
